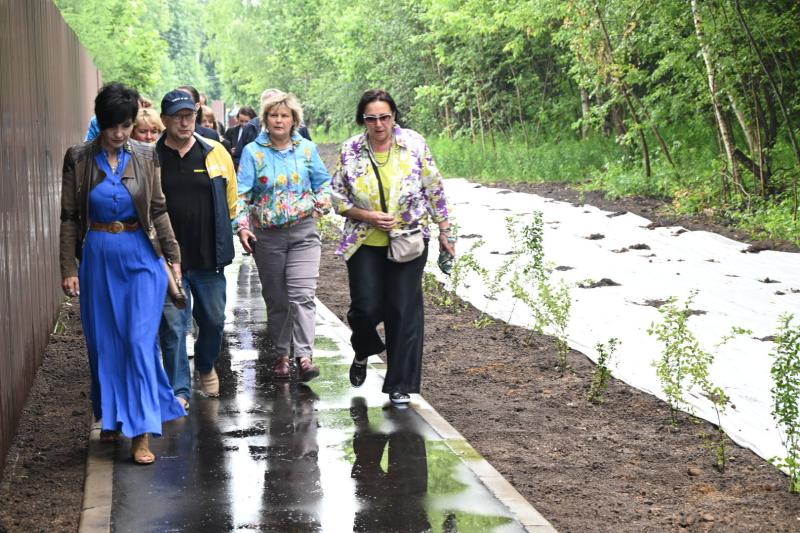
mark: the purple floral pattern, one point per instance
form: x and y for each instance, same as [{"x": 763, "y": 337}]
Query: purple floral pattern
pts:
[{"x": 421, "y": 197}]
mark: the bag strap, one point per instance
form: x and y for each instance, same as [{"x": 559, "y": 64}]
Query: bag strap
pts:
[{"x": 380, "y": 183}]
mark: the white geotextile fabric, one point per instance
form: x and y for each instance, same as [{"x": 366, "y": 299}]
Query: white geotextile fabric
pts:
[{"x": 728, "y": 281}]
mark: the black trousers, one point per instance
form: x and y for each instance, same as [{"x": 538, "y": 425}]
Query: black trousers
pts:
[{"x": 388, "y": 292}]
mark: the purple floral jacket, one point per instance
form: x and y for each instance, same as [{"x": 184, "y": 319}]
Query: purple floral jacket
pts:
[{"x": 421, "y": 193}]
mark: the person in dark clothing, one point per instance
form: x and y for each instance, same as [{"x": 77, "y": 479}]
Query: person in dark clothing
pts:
[
  {"x": 199, "y": 184},
  {"x": 201, "y": 130},
  {"x": 245, "y": 115}
]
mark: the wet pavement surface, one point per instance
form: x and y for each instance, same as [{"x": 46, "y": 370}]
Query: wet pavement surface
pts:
[{"x": 283, "y": 456}]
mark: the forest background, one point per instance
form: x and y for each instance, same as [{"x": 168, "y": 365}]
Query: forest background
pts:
[{"x": 692, "y": 101}]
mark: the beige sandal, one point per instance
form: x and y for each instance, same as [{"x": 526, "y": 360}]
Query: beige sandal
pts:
[
  {"x": 140, "y": 450},
  {"x": 209, "y": 383}
]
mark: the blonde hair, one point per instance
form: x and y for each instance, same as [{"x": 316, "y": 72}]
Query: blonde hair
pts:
[
  {"x": 207, "y": 111},
  {"x": 277, "y": 99},
  {"x": 148, "y": 116}
]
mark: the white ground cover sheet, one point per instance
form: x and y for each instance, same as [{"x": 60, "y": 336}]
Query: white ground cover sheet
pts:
[{"x": 733, "y": 290}]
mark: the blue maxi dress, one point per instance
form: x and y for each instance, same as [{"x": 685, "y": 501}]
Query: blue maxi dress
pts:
[{"x": 123, "y": 284}]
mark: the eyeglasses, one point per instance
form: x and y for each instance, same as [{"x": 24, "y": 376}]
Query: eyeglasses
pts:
[
  {"x": 372, "y": 119},
  {"x": 184, "y": 117}
]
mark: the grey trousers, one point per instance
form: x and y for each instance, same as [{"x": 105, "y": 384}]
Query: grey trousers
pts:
[{"x": 288, "y": 267}]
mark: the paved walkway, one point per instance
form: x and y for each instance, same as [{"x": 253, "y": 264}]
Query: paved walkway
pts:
[{"x": 271, "y": 456}]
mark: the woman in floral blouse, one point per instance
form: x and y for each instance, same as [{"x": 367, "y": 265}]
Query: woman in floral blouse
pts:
[
  {"x": 382, "y": 290},
  {"x": 283, "y": 188}
]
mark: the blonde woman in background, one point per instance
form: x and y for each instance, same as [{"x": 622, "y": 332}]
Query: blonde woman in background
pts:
[{"x": 148, "y": 126}]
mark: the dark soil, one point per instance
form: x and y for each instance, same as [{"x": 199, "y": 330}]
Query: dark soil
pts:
[
  {"x": 615, "y": 467},
  {"x": 42, "y": 483}
]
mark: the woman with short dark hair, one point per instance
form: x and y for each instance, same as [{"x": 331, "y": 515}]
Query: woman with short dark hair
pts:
[
  {"x": 114, "y": 232},
  {"x": 387, "y": 180}
]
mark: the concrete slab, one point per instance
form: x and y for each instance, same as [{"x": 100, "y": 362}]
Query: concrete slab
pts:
[{"x": 284, "y": 456}]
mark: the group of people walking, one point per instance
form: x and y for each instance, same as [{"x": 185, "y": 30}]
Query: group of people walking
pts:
[{"x": 151, "y": 197}]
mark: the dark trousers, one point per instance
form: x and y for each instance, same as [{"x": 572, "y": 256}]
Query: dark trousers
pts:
[{"x": 388, "y": 292}]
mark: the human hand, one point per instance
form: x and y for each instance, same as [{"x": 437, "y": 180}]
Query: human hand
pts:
[
  {"x": 71, "y": 286},
  {"x": 382, "y": 221},
  {"x": 176, "y": 268},
  {"x": 247, "y": 238},
  {"x": 447, "y": 243}
]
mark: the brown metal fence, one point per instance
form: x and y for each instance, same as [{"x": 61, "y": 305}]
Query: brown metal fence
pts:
[{"x": 47, "y": 86}]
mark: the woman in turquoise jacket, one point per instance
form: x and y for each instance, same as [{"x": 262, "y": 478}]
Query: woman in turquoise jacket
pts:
[{"x": 283, "y": 188}]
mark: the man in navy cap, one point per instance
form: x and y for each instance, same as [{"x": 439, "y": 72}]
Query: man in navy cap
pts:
[
  {"x": 199, "y": 183},
  {"x": 208, "y": 133}
]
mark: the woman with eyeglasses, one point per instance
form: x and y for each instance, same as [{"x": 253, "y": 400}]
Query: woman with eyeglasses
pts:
[
  {"x": 387, "y": 179},
  {"x": 283, "y": 188},
  {"x": 115, "y": 233}
]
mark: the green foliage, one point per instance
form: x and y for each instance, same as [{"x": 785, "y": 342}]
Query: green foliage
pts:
[
  {"x": 149, "y": 45},
  {"x": 464, "y": 264},
  {"x": 602, "y": 372},
  {"x": 531, "y": 283},
  {"x": 684, "y": 363},
  {"x": 785, "y": 372},
  {"x": 681, "y": 354}
]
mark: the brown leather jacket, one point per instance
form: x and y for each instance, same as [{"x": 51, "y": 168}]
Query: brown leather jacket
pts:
[{"x": 142, "y": 178}]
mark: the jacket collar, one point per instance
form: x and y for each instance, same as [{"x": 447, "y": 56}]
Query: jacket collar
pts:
[
  {"x": 264, "y": 140},
  {"x": 204, "y": 145}
]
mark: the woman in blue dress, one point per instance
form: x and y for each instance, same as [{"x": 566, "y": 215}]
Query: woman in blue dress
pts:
[{"x": 115, "y": 233}]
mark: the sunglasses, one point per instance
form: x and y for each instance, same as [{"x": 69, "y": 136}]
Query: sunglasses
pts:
[{"x": 372, "y": 119}]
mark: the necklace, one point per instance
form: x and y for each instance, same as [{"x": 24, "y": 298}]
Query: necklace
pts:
[{"x": 375, "y": 159}]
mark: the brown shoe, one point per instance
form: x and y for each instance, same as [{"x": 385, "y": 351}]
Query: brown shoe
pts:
[
  {"x": 109, "y": 436},
  {"x": 209, "y": 383},
  {"x": 282, "y": 368},
  {"x": 307, "y": 369},
  {"x": 140, "y": 450}
]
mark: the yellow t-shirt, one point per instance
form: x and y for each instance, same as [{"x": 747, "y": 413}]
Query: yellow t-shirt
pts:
[{"x": 390, "y": 174}]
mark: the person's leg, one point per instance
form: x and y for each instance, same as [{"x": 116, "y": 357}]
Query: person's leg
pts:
[
  {"x": 366, "y": 278},
  {"x": 404, "y": 324},
  {"x": 172, "y": 338},
  {"x": 270, "y": 256},
  {"x": 208, "y": 309},
  {"x": 302, "y": 271}
]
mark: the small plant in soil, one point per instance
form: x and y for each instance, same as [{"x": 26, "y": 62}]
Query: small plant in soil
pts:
[
  {"x": 433, "y": 288},
  {"x": 786, "y": 397},
  {"x": 602, "y": 372},
  {"x": 462, "y": 266},
  {"x": 680, "y": 348},
  {"x": 684, "y": 363},
  {"x": 549, "y": 303}
]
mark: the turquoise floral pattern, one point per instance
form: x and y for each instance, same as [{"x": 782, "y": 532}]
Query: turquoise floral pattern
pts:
[
  {"x": 278, "y": 188},
  {"x": 421, "y": 197}
]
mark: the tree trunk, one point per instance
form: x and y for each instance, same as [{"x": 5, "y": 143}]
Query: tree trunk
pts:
[
  {"x": 585, "y": 110},
  {"x": 768, "y": 72},
  {"x": 522, "y": 123},
  {"x": 624, "y": 90},
  {"x": 722, "y": 120}
]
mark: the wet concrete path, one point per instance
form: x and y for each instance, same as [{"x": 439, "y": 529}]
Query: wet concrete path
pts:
[{"x": 273, "y": 456}]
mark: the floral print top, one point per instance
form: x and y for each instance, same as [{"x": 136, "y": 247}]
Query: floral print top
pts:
[
  {"x": 417, "y": 196},
  {"x": 280, "y": 187}
]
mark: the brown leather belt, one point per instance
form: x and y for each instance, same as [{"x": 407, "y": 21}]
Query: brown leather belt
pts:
[{"x": 114, "y": 227}]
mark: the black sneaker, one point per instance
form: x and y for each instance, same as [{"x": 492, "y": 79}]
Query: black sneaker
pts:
[
  {"x": 399, "y": 398},
  {"x": 358, "y": 373}
]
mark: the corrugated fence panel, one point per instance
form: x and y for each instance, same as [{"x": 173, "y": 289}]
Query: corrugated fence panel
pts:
[{"x": 47, "y": 87}]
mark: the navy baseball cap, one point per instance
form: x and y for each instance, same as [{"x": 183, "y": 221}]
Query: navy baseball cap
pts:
[{"x": 176, "y": 100}]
